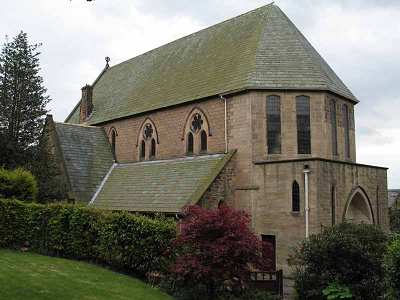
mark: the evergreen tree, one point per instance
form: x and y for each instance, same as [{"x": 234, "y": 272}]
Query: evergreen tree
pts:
[{"x": 23, "y": 102}]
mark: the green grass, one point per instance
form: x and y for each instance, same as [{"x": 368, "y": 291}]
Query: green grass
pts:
[{"x": 31, "y": 276}]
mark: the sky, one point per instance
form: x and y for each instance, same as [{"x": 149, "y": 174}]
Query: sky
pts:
[{"x": 360, "y": 40}]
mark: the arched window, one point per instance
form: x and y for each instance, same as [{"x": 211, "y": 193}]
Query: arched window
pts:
[
  {"x": 113, "y": 141},
  {"x": 147, "y": 140},
  {"x": 303, "y": 125},
  {"x": 203, "y": 141},
  {"x": 143, "y": 150},
  {"x": 333, "y": 127},
  {"x": 346, "y": 125},
  {"x": 295, "y": 197},
  {"x": 153, "y": 148},
  {"x": 274, "y": 124},
  {"x": 189, "y": 147},
  {"x": 333, "y": 204},
  {"x": 196, "y": 132}
]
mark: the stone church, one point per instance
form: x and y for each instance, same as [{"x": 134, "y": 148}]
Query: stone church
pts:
[{"x": 245, "y": 113}]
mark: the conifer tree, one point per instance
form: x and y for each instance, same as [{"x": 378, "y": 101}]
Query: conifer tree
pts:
[{"x": 23, "y": 102}]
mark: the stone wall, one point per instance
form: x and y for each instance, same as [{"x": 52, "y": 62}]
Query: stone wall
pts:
[
  {"x": 170, "y": 126},
  {"x": 273, "y": 210},
  {"x": 321, "y": 137}
]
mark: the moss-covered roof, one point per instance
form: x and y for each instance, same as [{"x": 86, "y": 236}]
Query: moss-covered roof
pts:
[
  {"x": 159, "y": 186},
  {"x": 87, "y": 157},
  {"x": 261, "y": 49}
]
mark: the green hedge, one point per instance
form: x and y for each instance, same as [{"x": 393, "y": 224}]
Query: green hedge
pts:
[
  {"x": 19, "y": 184},
  {"x": 121, "y": 240}
]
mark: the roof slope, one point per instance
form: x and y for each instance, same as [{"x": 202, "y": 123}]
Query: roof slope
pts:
[
  {"x": 159, "y": 186},
  {"x": 87, "y": 157},
  {"x": 259, "y": 49}
]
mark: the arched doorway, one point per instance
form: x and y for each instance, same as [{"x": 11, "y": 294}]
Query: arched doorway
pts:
[{"x": 358, "y": 208}]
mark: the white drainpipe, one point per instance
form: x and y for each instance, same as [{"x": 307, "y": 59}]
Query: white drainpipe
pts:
[
  {"x": 226, "y": 123},
  {"x": 306, "y": 171}
]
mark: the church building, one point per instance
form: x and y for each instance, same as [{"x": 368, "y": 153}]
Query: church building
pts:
[{"x": 244, "y": 113}]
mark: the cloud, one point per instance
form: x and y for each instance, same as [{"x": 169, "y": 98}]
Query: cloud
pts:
[{"x": 358, "y": 38}]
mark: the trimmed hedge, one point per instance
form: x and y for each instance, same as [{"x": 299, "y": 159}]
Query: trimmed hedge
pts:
[
  {"x": 19, "y": 184},
  {"x": 121, "y": 240}
]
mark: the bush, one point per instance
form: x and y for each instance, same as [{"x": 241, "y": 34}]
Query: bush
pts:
[
  {"x": 121, "y": 240},
  {"x": 349, "y": 254},
  {"x": 394, "y": 215},
  {"x": 18, "y": 184},
  {"x": 215, "y": 250},
  {"x": 392, "y": 263}
]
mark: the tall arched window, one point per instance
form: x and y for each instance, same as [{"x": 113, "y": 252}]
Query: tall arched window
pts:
[
  {"x": 190, "y": 142},
  {"x": 203, "y": 141},
  {"x": 346, "y": 125},
  {"x": 142, "y": 150},
  {"x": 147, "y": 140},
  {"x": 274, "y": 124},
  {"x": 333, "y": 127},
  {"x": 295, "y": 197},
  {"x": 333, "y": 204},
  {"x": 196, "y": 132},
  {"x": 113, "y": 141},
  {"x": 153, "y": 148},
  {"x": 303, "y": 125}
]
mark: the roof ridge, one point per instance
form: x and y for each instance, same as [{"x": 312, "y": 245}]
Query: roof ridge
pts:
[
  {"x": 194, "y": 33},
  {"x": 80, "y": 125}
]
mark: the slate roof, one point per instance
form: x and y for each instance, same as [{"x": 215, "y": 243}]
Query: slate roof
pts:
[
  {"x": 261, "y": 49},
  {"x": 159, "y": 186},
  {"x": 87, "y": 157}
]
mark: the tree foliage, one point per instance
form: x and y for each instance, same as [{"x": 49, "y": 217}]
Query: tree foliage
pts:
[
  {"x": 23, "y": 102},
  {"x": 215, "y": 248},
  {"x": 348, "y": 254},
  {"x": 394, "y": 215},
  {"x": 19, "y": 184},
  {"x": 392, "y": 264}
]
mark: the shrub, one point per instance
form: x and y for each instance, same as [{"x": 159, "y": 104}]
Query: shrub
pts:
[
  {"x": 392, "y": 264},
  {"x": 347, "y": 253},
  {"x": 121, "y": 240},
  {"x": 215, "y": 249},
  {"x": 394, "y": 215},
  {"x": 18, "y": 184},
  {"x": 336, "y": 291}
]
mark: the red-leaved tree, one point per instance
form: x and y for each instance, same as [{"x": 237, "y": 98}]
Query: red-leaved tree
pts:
[{"x": 216, "y": 248}]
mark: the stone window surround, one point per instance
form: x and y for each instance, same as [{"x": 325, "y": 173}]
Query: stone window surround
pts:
[
  {"x": 147, "y": 141},
  {"x": 205, "y": 126},
  {"x": 113, "y": 143}
]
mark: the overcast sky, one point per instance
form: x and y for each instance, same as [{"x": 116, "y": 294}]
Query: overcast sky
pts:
[{"x": 359, "y": 39}]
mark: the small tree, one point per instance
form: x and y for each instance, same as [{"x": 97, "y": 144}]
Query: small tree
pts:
[
  {"x": 347, "y": 254},
  {"x": 216, "y": 247}
]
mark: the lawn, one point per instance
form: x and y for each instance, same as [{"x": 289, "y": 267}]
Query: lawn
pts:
[{"x": 31, "y": 276}]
